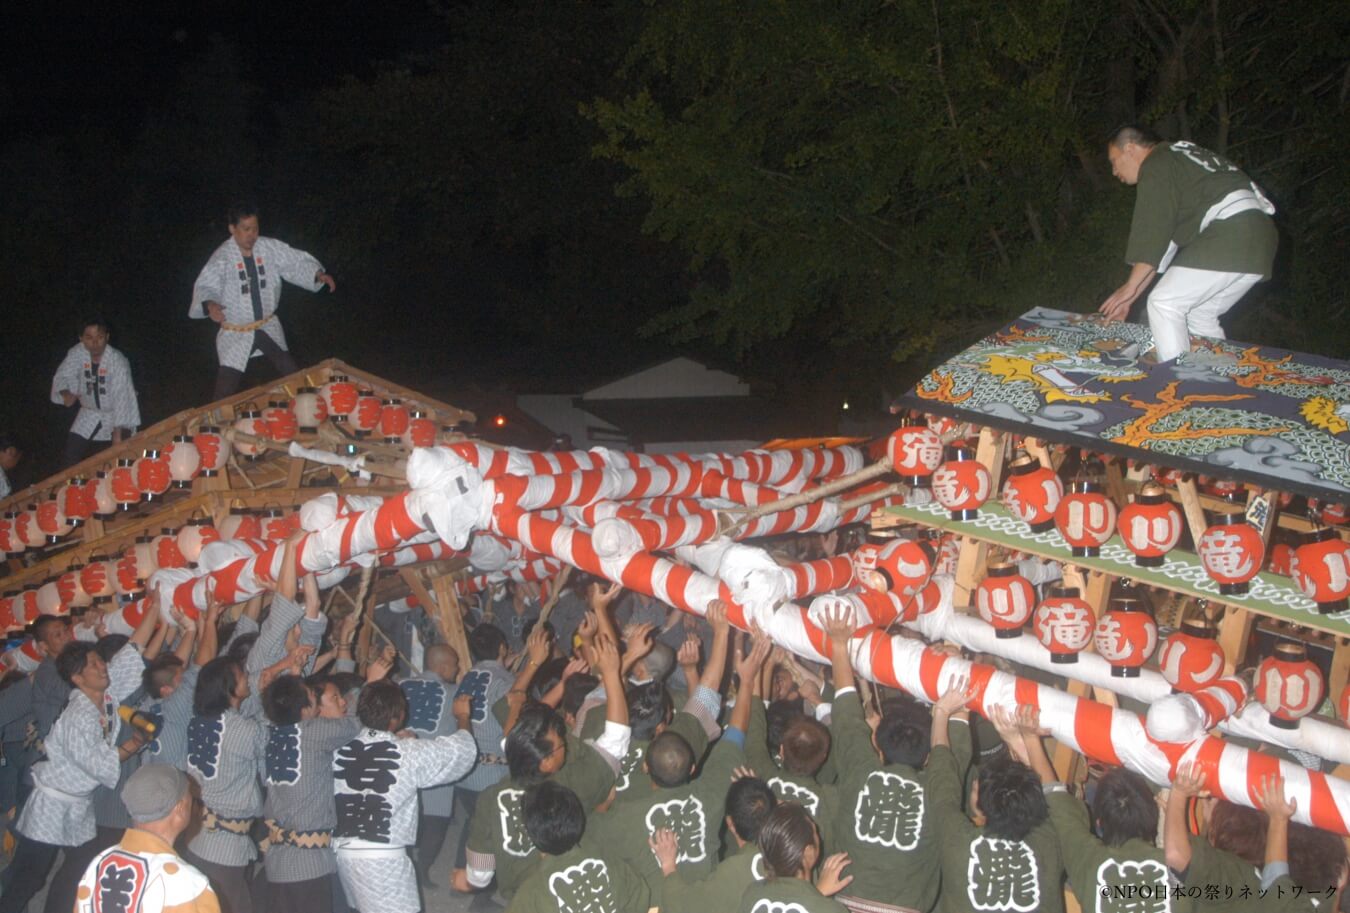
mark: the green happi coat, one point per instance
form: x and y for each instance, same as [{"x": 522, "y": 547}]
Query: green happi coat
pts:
[
  {"x": 787, "y": 895},
  {"x": 722, "y": 890},
  {"x": 1100, "y": 874},
  {"x": 497, "y": 828},
  {"x": 633, "y": 776},
  {"x": 883, "y": 818},
  {"x": 693, "y": 811},
  {"x": 580, "y": 881},
  {"x": 1215, "y": 868},
  {"x": 983, "y": 874},
  {"x": 818, "y": 799}
]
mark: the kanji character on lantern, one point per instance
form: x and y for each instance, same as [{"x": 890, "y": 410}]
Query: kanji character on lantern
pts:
[
  {"x": 195, "y": 534},
  {"x": 1064, "y": 623},
  {"x": 421, "y": 431},
  {"x": 97, "y": 579},
  {"x": 100, "y": 491},
  {"x": 1289, "y": 685},
  {"x": 393, "y": 420},
  {"x": 1191, "y": 659},
  {"x": 1086, "y": 518},
  {"x": 26, "y": 524},
  {"x": 152, "y": 475},
  {"x": 1126, "y": 637},
  {"x": 961, "y": 484},
  {"x": 1321, "y": 568},
  {"x": 915, "y": 451},
  {"x": 1150, "y": 526},
  {"x": 72, "y": 591},
  {"x": 249, "y": 422},
  {"x": 184, "y": 460},
  {"x": 76, "y": 503},
  {"x": 339, "y": 397},
  {"x": 366, "y": 417},
  {"x": 1032, "y": 493},
  {"x": 242, "y": 523},
  {"x": 214, "y": 449},
  {"x": 1232, "y": 552},
  {"x": 51, "y": 519},
  {"x": 309, "y": 408},
  {"x": 1005, "y": 599},
  {"x": 167, "y": 553},
  {"x": 10, "y": 543},
  {"x": 125, "y": 491},
  {"x": 907, "y": 565}
]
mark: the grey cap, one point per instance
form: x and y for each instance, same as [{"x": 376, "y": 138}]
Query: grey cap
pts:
[{"x": 152, "y": 791}]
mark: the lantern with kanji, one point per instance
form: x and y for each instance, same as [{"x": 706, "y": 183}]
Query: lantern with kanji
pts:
[
  {"x": 153, "y": 477},
  {"x": 1191, "y": 659},
  {"x": 167, "y": 553},
  {"x": 915, "y": 451},
  {"x": 275, "y": 524},
  {"x": 1032, "y": 493},
  {"x": 75, "y": 501},
  {"x": 393, "y": 420},
  {"x": 1064, "y": 623},
  {"x": 184, "y": 460},
  {"x": 907, "y": 565},
  {"x": 1086, "y": 518},
  {"x": 49, "y": 600},
  {"x": 309, "y": 408},
  {"x": 73, "y": 593},
  {"x": 961, "y": 484},
  {"x": 1289, "y": 685},
  {"x": 1150, "y": 526},
  {"x": 365, "y": 417},
  {"x": 929, "y": 598},
  {"x": 29, "y": 531},
  {"x": 1232, "y": 552},
  {"x": 145, "y": 556},
  {"x": 279, "y": 422},
  {"x": 339, "y": 397},
  {"x": 8, "y": 622},
  {"x": 100, "y": 492},
  {"x": 1126, "y": 637},
  {"x": 51, "y": 519},
  {"x": 10, "y": 543},
  {"x": 97, "y": 579},
  {"x": 242, "y": 523},
  {"x": 250, "y": 423},
  {"x": 25, "y": 604},
  {"x": 125, "y": 491},
  {"x": 1005, "y": 599},
  {"x": 214, "y": 449},
  {"x": 195, "y": 534},
  {"x": 125, "y": 577},
  {"x": 421, "y": 430},
  {"x": 1321, "y": 568}
]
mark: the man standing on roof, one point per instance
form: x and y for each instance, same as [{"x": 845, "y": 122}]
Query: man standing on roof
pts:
[
  {"x": 1200, "y": 222},
  {"x": 97, "y": 378},
  {"x": 240, "y": 288}
]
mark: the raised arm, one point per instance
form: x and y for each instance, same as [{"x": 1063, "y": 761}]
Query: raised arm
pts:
[
  {"x": 717, "y": 656},
  {"x": 950, "y": 705},
  {"x": 208, "y": 633},
  {"x": 1270, "y": 798},
  {"x": 1187, "y": 783},
  {"x": 601, "y": 601},
  {"x": 607, "y": 664},
  {"x": 838, "y": 625},
  {"x": 537, "y": 646},
  {"x": 747, "y": 669},
  {"x": 1028, "y": 722}
]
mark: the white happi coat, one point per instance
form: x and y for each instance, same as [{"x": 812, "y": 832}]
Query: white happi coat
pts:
[
  {"x": 81, "y": 754},
  {"x": 105, "y": 391},
  {"x": 224, "y": 280}
]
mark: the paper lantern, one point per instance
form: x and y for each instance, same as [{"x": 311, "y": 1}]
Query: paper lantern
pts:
[
  {"x": 165, "y": 546},
  {"x": 10, "y": 543},
  {"x": 76, "y": 503},
  {"x": 961, "y": 484},
  {"x": 1064, "y": 624},
  {"x": 907, "y": 565},
  {"x": 125, "y": 491},
  {"x": 73, "y": 593},
  {"x": 339, "y": 397},
  {"x": 51, "y": 519},
  {"x": 8, "y": 623},
  {"x": 97, "y": 579},
  {"x": 1219, "y": 488},
  {"x": 1232, "y": 553},
  {"x": 153, "y": 477},
  {"x": 1191, "y": 659},
  {"x": 1321, "y": 568},
  {"x": 1281, "y": 559},
  {"x": 145, "y": 556},
  {"x": 1032, "y": 493},
  {"x": 184, "y": 461},
  {"x": 1086, "y": 518},
  {"x": 26, "y": 604},
  {"x": 366, "y": 417},
  {"x": 929, "y": 598},
  {"x": 1126, "y": 637},
  {"x": 1150, "y": 526},
  {"x": 242, "y": 523},
  {"x": 249, "y": 422},
  {"x": 26, "y": 657},
  {"x": 100, "y": 492},
  {"x": 393, "y": 420},
  {"x": 309, "y": 409},
  {"x": 279, "y": 422},
  {"x": 49, "y": 600},
  {"x": 29, "y": 530},
  {"x": 1005, "y": 599},
  {"x": 942, "y": 424},
  {"x": 421, "y": 431},
  {"x": 126, "y": 577},
  {"x": 195, "y": 534},
  {"x": 213, "y": 448},
  {"x": 915, "y": 451},
  {"x": 1289, "y": 685},
  {"x": 1166, "y": 476},
  {"x": 1335, "y": 514},
  {"x": 274, "y": 524}
]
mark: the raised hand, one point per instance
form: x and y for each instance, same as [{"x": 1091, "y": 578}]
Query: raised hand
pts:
[
  {"x": 1271, "y": 798},
  {"x": 575, "y": 665},
  {"x": 717, "y": 616},
  {"x": 748, "y": 666},
  {"x": 638, "y": 641},
  {"x": 959, "y": 693},
  {"x": 689, "y": 651},
  {"x": 742, "y": 773},
  {"x": 599, "y": 599},
  {"x": 1189, "y": 781},
  {"x": 588, "y": 628},
  {"x": 380, "y": 666},
  {"x": 538, "y": 645},
  {"x": 837, "y": 622},
  {"x": 831, "y": 879},
  {"x": 606, "y": 656}
]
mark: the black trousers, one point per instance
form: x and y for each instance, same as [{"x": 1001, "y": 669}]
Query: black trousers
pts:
[
  {"x": 431, "y": 831},
  {"x": 230, "y": 882},
  {"x": 313, "y": 896},
  {"x": 467, "y": 801},
  {"x": 33, "y": 860},
  {"x": 228, "y": 379}
]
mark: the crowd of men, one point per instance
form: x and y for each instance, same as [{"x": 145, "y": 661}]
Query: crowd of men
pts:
[{"x": 612, "y": 758}]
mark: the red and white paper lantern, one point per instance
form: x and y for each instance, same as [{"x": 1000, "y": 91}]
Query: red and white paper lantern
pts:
[
  {"x": 52, "y": 520},
  {"x": 153, "y": 477},
  {"x": 309, "y": 409},
  {"x": 167, "y": 553},
  {"x": 49, "y": 601},
  {"x": 1032, "y": 493},
  {"x": 126, "y": 576},
  {"x": 249, "y": 422},
  {"x": 1289, "y": 685},
  {"x": 961, "y": 484},
  {"x": 275, "y": 524},
  {"x": 75, "y": 501},
  {"x": 1086, "y": 518},
  {"x": 365, "y": 418},
  {"x": 184, "y": 461},
  {"x": 213, "y": 448},
  {"x": 1321, "y": 568},
  {"x": 279, "y": 422},
  {"x": 915, "y": 451},
  {"x": 242, "y": 523},
  {"x": 1232, "y": 553},
  {"x": 421, "y": 430},
  {"x": 1150, "y": 526},
  {"x": 339, "y": 397},
  {"x": 144, "y": 556},
  {"x": 73, "y": 593},
  {"x": 1005, "y": 599},
  {"x": 29, "y": 530},
  {"x": 1126, "y": 637},
  {"x": 193, "y": 536},
  {"x": 10, "y": 543},
  {"x": 100, "y": 491},
  {"x": 1064, "y": 624},
  {"x": 907, "y": 565},
  {"x": 125, "y": 491},
  {"x": 393, "y": 420},
  {"x": 97, "y": 579},
  {"x": 1191, "y": 659}
]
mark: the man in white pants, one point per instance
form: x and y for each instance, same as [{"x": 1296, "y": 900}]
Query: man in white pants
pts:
[{"x": 1201, "y": 223}]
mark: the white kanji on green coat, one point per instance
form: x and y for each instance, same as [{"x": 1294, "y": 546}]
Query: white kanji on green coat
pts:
[
  {"x": 889, "y": 811},
  {"x": 686, "y": 818},
  {"x": 1002, "y": 875},
  {"x": 1133, "y": 887},
  {"x": 515, "y": 839},
  {"x": 584, "y": 888}
]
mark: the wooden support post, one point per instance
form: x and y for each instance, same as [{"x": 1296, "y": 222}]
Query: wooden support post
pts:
[
  {"x": 1115, "y": 483},
  {"x": 451, "y": 619},
  {"x": 1340, "y": 668},
  {"x": 295, "y": 475},
  {"x": 1190, "y": 507},
  {"x": 970, "y": 566},
  {"x": 1234, "y": 632}
]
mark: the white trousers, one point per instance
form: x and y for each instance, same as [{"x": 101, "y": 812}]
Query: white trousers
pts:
[{"x": 1187, "y": 301}]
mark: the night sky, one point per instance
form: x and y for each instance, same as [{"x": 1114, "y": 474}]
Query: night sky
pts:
[{"x": 127, "y": 133}]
